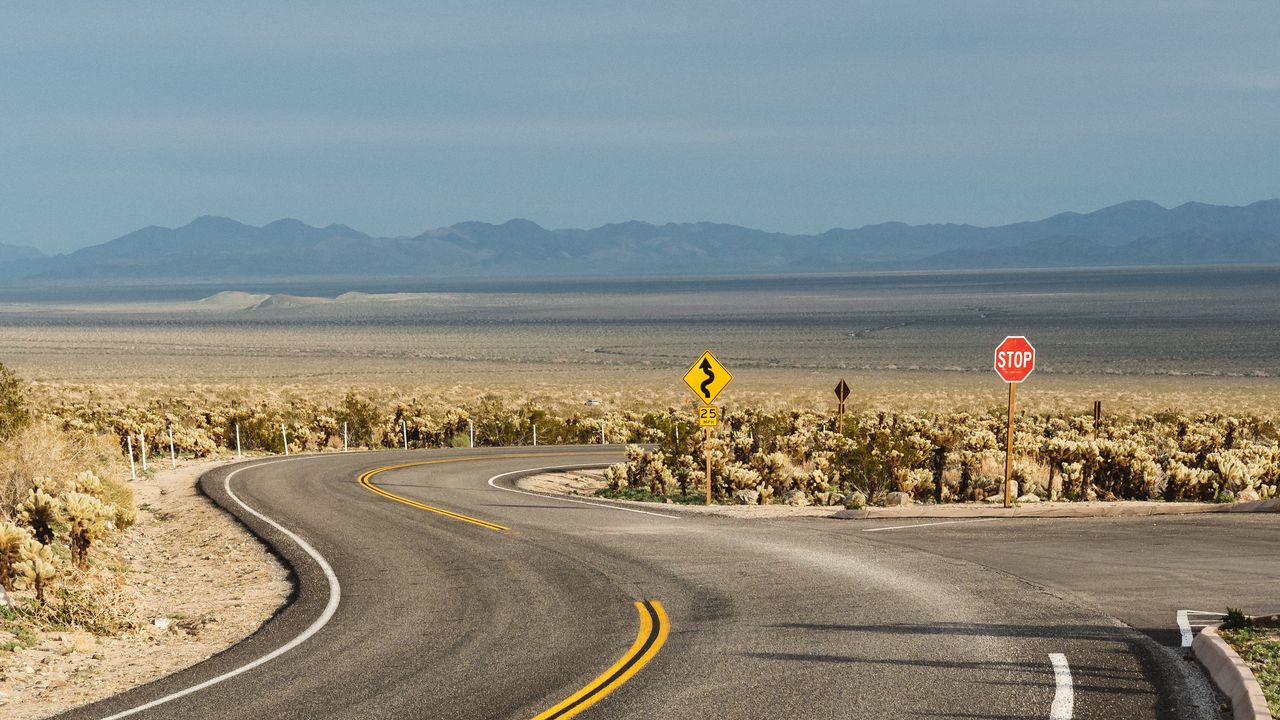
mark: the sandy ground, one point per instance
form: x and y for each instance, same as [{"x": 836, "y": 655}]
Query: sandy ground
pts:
[
  {"x": 190, "y": 568},
  {"x": 587, "y": 482}
]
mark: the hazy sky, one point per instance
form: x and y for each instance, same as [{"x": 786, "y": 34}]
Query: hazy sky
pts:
[{"x": 394, "y": 118}]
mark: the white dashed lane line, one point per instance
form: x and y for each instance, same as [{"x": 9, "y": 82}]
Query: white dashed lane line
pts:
[{"x": 1064, "y": 696}]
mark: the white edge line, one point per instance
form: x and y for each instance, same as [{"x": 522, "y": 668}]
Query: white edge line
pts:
[
  {"x": 606, "y": 506},
  {"x": 943, "y": 522},
  {"x": 1064, "y": 696},
  {"x": 1185, "y": 628},
  {"x": 335, "y": 595}
]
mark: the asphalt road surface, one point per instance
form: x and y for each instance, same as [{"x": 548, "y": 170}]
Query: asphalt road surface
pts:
[{"x": 430, "y": 591}]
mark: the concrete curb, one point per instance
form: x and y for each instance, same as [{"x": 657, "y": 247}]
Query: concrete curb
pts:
[
  {"x": 1135, "y": 508},
  {"x": 1232, "y": 676}
]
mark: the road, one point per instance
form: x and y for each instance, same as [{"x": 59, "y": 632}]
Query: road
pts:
[{"x": 443, "y": 594}]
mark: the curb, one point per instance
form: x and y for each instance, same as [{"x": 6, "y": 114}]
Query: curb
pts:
[
  {"x": 1231, "y": 675},
  {"x": 1064, "y": 510}
]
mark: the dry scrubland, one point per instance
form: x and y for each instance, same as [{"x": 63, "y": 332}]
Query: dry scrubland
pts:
[{"x": 1184, "y": 363}]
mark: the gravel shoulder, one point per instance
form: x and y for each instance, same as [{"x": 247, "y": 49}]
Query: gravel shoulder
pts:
[{"x": 199, "y": 583}]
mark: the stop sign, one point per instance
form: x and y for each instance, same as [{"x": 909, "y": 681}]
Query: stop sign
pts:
[{"x": 1015, "y": 359}]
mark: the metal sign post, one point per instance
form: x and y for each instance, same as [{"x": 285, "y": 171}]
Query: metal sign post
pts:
[
  {"x": 1015, "y": 360},
  {"x": 706, "y": 378},
  {"x": 842, "y": 394}
]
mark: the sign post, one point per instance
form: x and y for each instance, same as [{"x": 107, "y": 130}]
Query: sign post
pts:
[
  {"x": 842, "y": 394},
  {"x": 1015, "y": 359},
  {"x": 706, "y": 378}
]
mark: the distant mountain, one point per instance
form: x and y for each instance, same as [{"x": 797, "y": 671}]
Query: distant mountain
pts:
[
  {"x": 17, "y": 253},
  {"x": 216, "y": 249}
]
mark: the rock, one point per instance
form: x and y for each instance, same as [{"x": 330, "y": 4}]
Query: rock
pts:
[
  {"x": 857, "y": 500},
  {"x": 796, "y": 498},
  {"x": 997, "y": 498},
  {"x": 836, "y": 499},
  {"x": 1029, "y": 498},
  {"x": 162, "y": 622},
  {"x": 746, "y": 497},
  {"x": 1249, "y": 495},
  {"x": 897, "y": 499},
  {"x": 78, "y": 642}
]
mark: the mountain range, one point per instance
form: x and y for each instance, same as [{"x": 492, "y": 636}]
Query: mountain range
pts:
[{"x": 213, "y": 249}]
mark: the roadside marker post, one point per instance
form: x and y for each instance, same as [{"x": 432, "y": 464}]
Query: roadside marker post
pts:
[
  {"x": 1097, "y": 417},
  {"x": 602, "y": 441},
  {"x": 842, "y": 394},
  {"x": 238, "y": 454},
  {"x": 285, "y": 434},
  {"x": 133, "y": 470},
  {"x": 706, "y": 378},
  {"x": 344, "y": 436},
  {"x": 404, "y": 430},
  {"x": 535, "y": 436},
  {"x": 142, "y": 442},
  {"x": 1015, "y": 360},
  {"x": 173, "y": 456},
  {"x": 471, "y": 428}
]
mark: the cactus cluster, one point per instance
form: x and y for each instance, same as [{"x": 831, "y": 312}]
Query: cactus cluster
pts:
[{"x": 960, "y": 456}]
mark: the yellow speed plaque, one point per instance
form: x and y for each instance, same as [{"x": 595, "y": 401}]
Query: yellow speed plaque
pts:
[{"x": 708, "y": 416}]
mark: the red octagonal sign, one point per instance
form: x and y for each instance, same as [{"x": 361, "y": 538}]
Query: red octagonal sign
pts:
[{"x": 1015, "y": 359}]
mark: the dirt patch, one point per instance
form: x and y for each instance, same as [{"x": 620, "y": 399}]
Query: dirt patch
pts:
[
  {"x": 587, "y": 482},
  {"x": 199, "y": 583}
]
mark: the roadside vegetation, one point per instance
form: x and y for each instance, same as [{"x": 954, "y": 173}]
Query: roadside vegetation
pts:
[
  {"x": 801, "y": 458},
  {"x": 62, "y": 494},
  {"x": 1257, "y": 640},
  {"x": 758, "y": 454}
]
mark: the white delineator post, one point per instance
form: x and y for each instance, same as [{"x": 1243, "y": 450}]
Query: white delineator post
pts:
[
  {"x": 133, "y": 470},
  {"x": 344, "y": 437},
  {"x": 404, "y": 430},
  {"x": 602, "y": 442},
  {"x": 238, "y": 454},
  {"x": 173, "y": 455},
  {"x": 285, "y": 434},
  {"x": 535, "y": 436},
  {"x": 471, "y": 428},
  {"x": 142, "y": 441}
]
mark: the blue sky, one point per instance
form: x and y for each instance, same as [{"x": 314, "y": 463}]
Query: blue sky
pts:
[{"x": 394, "y": 118}]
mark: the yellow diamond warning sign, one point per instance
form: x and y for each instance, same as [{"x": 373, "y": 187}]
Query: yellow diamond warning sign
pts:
[{"x": 707, "y": 377}]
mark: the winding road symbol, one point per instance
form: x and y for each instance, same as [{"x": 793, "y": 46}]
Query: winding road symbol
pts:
[
  {"x": 711, "y": 377},
  {"x": 707, "y": 377}
]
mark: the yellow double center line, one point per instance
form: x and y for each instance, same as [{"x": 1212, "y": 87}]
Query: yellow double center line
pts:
[
  {"x": 653, "y": 633},
  {"x": 654, "y": 625}
]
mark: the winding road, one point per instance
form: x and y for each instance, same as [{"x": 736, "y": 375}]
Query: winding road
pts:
[{"x": 429, "y": 586}]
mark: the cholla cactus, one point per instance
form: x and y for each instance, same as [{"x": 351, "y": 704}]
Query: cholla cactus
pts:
[
  {"x": 37, "y": 567},
  {"x": 40, "y": 513},
  {"x": 89, "y": 520},
  {"x": 89, "y": 484},
  {"x": 12, "y": 539}
]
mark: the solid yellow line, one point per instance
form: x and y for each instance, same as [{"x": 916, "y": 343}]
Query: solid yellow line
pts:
[
  {"x": 608, "y": 681},
  {"x": 366, "y": 480}
]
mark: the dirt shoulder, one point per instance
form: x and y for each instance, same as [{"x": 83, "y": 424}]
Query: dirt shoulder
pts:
[{"x": 199, "y": 583}]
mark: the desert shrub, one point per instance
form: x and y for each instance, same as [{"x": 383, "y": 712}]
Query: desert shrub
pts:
[
  {"x": 14, "y": 414},
  {"x": 36, "y": 568},
  {"x": 88, "y": 520},
  {"x": 1235, "y": 619},
  {"x": 41, "y": 513},
  {"x": 12, "y": 539},
  {"x": 44, "y": 450}
]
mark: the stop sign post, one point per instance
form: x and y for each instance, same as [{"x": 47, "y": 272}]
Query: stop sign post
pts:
[{"x": 1015, "y": 360}]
